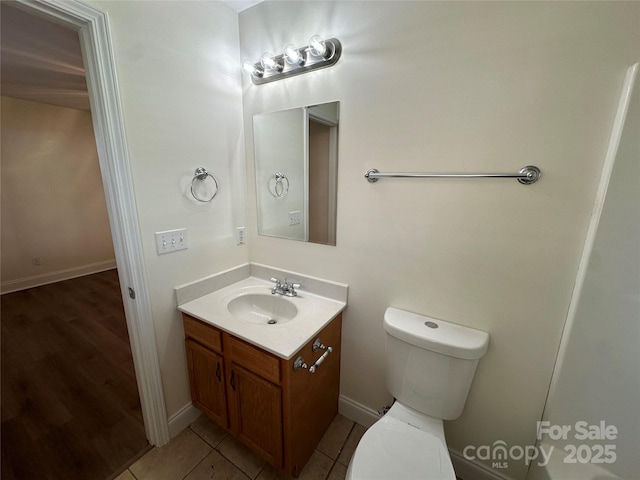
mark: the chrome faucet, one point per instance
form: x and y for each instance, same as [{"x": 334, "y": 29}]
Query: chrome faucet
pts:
[{"x": 285, "y": 288}]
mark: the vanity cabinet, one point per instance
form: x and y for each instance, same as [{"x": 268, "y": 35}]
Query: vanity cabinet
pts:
[{"x": 279, "y": 412}]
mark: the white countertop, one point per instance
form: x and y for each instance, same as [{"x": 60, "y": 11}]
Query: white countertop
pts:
[{"x": 283, "y": 340}]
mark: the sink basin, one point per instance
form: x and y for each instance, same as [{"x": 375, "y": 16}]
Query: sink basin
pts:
[
  {"x": 244, "y": 308},
  {"x": 262, "y": 309}
]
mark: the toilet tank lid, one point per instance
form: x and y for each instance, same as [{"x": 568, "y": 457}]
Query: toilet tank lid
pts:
[{"x": 447, "y": 339}]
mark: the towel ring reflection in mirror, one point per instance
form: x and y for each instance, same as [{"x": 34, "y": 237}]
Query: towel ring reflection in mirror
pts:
[
  {"x": 202, "y": 174},
  {"x": 280, "y": 186}
]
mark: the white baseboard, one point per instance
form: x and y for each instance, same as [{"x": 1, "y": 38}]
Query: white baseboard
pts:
[
  {"x": 357, "y": 412},
  {"x": 57, "y": 276},
  {"x": 465, "y": 469},
  {"x": 470, "y": 470},
  {"x": 182, "y": 419}
]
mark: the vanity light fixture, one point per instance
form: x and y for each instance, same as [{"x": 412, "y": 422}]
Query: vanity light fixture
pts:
[{"x": 320, "y": 53}]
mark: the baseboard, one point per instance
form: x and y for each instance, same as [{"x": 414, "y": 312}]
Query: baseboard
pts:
[
  {"x": 182, "y": 419},
  {"x": 57, "y": 276},
  {"x": 465, "y": 469},
  {"x": 469, "y": 470},
  {"x": 357, "y": 412}
]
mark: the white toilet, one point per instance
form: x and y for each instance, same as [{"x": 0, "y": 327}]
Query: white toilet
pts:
[{"x": 430, "y": 366}]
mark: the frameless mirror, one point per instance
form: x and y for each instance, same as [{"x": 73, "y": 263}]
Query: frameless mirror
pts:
[{"x": 296, "y": 164}]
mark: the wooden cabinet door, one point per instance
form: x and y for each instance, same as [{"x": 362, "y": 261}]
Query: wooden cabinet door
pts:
[
  {"x": 257, "y": 413},
  {"x": 206, "y": 377}
]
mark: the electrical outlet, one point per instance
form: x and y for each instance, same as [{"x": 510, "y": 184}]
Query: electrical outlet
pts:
[
  {"x": 171, "y": 241},
  {"x": 294, "y": 217},
  {"x": 35, "y": 261},
  {"x": 240, "y": 236}
]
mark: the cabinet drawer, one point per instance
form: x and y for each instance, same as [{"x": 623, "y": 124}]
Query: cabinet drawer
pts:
[
  {"x": 202, "y": 333},
  {"x": 253, "y": 358}
]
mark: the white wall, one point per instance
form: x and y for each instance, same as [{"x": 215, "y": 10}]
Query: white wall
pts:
[
  {"x": 453, "y": 86},
  {"x": 53, "y": 204},
  {"x": 178, "y": 77}
]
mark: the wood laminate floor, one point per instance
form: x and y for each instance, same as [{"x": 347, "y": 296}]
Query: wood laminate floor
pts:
[{"x": 70, "y": 405}]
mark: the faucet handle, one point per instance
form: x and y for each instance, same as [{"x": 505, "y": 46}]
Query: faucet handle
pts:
[
  {"x": 291, "y": 288},
  {"x": 277, "y": 288}
]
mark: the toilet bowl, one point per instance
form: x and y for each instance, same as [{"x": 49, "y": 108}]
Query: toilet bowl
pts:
[
  {"x": 403, "y": 445},
  {"x": 430, "y": 367}
]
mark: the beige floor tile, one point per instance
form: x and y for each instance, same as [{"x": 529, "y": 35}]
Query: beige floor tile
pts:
[
  {"x": 216, "y": 467},
  {"x": 335, "y": 436},
  {"x": 339, "y": 472},
  {"x": 208, "y": 430},
  {"x": 270, "y": 473},
  {"x": 126, "y": 475},
  {"x": 241, "y": 456},
  {"x": 351, "y": 444},
  {"x": 317, "y": 467},
  {"x": 174, "y": 460}
]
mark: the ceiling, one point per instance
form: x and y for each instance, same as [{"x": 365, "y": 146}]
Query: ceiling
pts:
[
  {"x": 240, "y": 5},
  {"x": 41, "y": 61}
]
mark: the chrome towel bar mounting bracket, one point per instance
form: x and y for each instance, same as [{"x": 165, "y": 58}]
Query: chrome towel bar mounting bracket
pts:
[{"x": 526, "y": 176}]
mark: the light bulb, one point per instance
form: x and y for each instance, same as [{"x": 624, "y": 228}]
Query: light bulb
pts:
[
  {"x": 250, "y": 68},
  {"x": 293, "y": 56},
  {"x": 269, "y": 62},
  {"x": 318, "y": 46}
]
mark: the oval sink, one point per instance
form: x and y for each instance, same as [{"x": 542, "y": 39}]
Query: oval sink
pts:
[{"x": 262, "y": 309}]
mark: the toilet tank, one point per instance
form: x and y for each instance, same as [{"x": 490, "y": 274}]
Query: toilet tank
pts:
[{"x": 431, "y": 363}]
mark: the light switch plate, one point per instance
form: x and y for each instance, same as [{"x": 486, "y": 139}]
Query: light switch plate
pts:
[{"x": 171, "y": 241}]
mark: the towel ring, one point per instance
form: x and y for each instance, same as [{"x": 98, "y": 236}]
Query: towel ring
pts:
[
  {"x": 280, "y": 188},
  {"x": 202, "y": 174}
]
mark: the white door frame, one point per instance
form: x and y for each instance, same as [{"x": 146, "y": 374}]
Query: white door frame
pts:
[{"x": 97, "y": 53}]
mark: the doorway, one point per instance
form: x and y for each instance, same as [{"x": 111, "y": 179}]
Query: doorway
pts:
[
  {"x": 93, "y": 29},
  {"x": 70, "y": 405},
  {"x": 322, "y": 134}
]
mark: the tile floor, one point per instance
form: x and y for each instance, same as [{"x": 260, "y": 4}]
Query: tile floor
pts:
[{"x": 205, "y": 451}]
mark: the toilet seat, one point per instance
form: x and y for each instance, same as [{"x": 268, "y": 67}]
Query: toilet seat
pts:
[{"x": 393, "y": 449}]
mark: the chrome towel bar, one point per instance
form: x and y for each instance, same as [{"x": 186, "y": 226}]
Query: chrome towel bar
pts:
[{"x": 526, "y": 176}]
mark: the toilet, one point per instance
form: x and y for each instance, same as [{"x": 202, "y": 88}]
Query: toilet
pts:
[{"x": 430, "y": 367}]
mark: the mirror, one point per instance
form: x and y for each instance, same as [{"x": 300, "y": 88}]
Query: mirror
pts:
[{"x": 296, "y": 164}]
